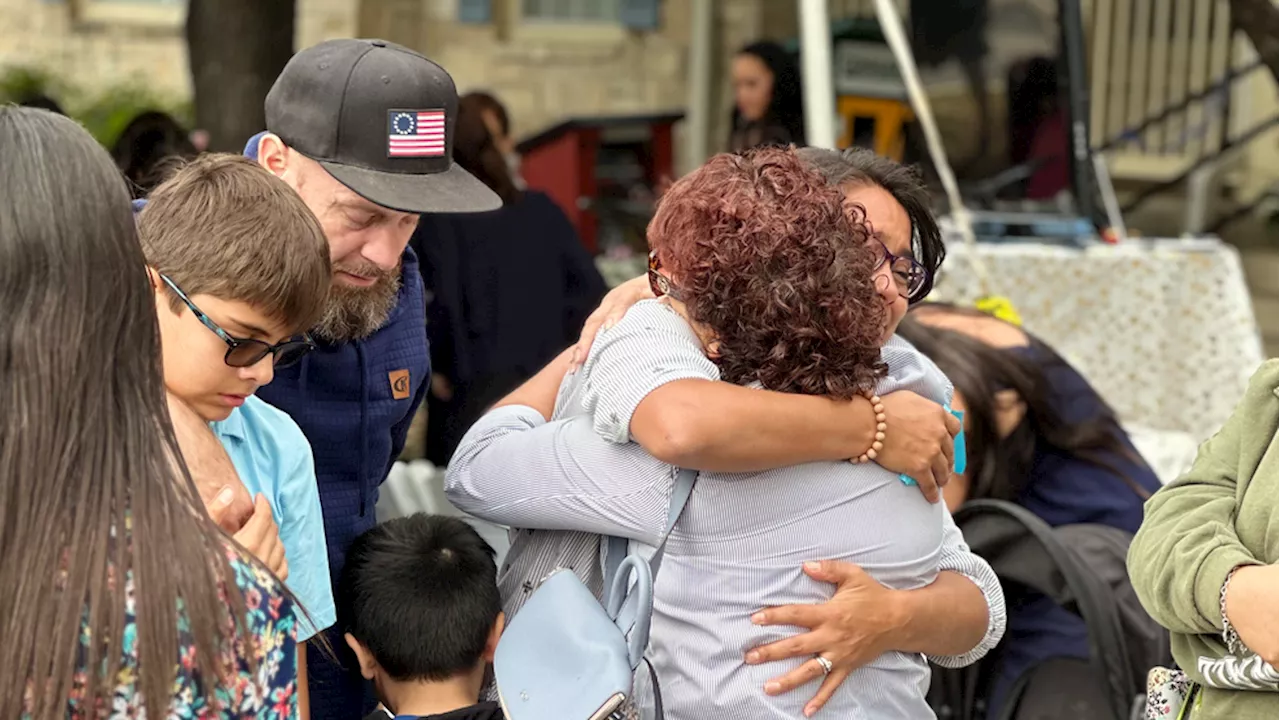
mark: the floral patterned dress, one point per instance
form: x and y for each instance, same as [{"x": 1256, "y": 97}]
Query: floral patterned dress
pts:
[{"x": 269, "y": 692}]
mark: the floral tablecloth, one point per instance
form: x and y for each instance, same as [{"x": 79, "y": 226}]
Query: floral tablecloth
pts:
[{"x": 1164, "y": 329}]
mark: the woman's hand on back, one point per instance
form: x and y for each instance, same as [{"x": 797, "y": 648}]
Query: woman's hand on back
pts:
[
  {"x": 855, "y": 627},
  {"x": 612, "y": 308},
  {"x": 919, "y": 440}
]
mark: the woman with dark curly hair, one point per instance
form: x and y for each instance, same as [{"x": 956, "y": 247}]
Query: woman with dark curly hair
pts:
[{"x": 767, "y": 280}]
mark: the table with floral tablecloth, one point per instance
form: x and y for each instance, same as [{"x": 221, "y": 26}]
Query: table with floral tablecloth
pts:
[{"x": 1164, "y": 329}]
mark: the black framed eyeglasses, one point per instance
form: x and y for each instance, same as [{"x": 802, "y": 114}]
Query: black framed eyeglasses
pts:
[
  {"x": 909, "y": 275},
  {"x": 658, "y": 283},
  {"x": 247, "y": 352}
]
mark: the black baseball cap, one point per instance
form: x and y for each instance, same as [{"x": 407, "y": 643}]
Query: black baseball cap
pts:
[{"x": 380, "y": 118}]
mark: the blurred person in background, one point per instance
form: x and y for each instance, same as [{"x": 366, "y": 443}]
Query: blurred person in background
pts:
[
  {"x": 1039, "y": 436},
  {"x": 767, "y": 107},
  {"x": 1038, "y": 128},
  {"x": 957, "y": 30},
  {"x": 43, "y": 102},
  {"x": 118, "y": 596},
  {"x": 147, "y": 148},
  {"x": 498, "y": 122},
  {"x": 508, "y": 289}
]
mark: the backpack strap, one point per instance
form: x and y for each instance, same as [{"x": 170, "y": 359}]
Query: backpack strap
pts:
[
  {"x": 657, "y": 691},
  {"x": 616, "y": 548}
]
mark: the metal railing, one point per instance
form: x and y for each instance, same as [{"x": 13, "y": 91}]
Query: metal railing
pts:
[{"x": 1165, "y": 78}]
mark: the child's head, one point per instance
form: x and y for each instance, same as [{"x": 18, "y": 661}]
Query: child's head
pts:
[
  {"x": 418, "y": 602},
  {"x": 231, "y": 247}
]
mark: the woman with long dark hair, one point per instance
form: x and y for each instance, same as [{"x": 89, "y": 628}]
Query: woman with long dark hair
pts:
[
  {"x": 1037, "y": 435},
  {"x": 1036, "y": 430},
  {"x": 767, "y": 105},
  {"x": 117, "y": 592},
  {"x": 509, "y": 289}
]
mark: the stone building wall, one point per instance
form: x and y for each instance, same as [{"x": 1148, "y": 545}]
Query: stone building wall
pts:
[
  {"x": 544, "y": 72},
  {"x": 129, "y": 41},
  {"x": 44, "y": 35}
]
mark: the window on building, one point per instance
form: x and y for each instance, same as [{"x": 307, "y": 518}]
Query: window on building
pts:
[
  {"x": 629, "y": 14},
  {"x": 152, "y": 13},
  {"x": 571, "y": 11}
]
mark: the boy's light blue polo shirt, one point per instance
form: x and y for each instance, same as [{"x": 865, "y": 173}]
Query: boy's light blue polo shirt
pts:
[{"x": 274, "y": 458}]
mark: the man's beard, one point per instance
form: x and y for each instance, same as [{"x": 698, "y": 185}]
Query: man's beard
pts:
[{"x": 355, "y": 313}]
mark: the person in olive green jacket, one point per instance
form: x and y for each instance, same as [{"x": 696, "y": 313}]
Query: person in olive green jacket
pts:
[{"x": 1204, "y": 561}]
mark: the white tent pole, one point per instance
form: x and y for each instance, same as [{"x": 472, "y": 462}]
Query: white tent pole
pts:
[
  {"x": 697, "y": 127},
  {"x": 896, "y": 37},
  {"x": 816, "y": 69}
]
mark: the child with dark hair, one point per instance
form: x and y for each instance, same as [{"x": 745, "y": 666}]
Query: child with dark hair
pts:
[{"x": 418, "y": 604}]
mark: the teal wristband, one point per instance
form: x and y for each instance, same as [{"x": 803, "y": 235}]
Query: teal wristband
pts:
[{"x": 962, "y": 458}]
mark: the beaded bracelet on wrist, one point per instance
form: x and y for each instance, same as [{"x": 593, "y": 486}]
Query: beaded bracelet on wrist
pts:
[{"x": 877, "y": 444}]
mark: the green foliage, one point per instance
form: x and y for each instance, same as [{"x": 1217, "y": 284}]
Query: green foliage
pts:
[
  {"x": 104, "y": 112},
  {"x": 20, "y": 84}
]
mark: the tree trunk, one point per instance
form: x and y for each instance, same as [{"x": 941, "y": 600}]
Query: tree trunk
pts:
[
  {"x": 1258, "y": 20},
  {"x": 236, "y": 48}
]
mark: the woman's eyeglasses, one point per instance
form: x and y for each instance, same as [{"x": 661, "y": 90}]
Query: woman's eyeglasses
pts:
[
  {"x": 247, "y": 352},
  {"x": 658, "y": 283},
  {"x": 908, "y": 275}
]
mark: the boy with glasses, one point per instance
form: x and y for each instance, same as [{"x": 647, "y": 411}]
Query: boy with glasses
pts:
[{"x": 241, "y": 269}]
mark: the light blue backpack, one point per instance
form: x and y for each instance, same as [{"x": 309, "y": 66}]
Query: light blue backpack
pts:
[{"x": 565, "y": 656}]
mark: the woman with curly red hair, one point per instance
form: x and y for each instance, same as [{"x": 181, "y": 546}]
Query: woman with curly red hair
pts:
[
  {"x": 773, "y": 273},
  {"x": 765, "y": 280}
]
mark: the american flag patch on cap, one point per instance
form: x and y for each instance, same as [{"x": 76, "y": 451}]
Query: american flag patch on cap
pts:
[{"x": 415, "y": 133}]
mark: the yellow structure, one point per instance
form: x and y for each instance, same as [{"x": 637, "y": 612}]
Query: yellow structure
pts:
[{"x": 890, "y": 117}]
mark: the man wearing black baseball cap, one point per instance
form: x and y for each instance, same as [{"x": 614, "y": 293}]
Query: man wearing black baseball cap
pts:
[{"x": 363, "y": 130}]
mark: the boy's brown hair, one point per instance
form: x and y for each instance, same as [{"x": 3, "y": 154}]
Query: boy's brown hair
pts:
[{"x": 222, "y": 225}]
